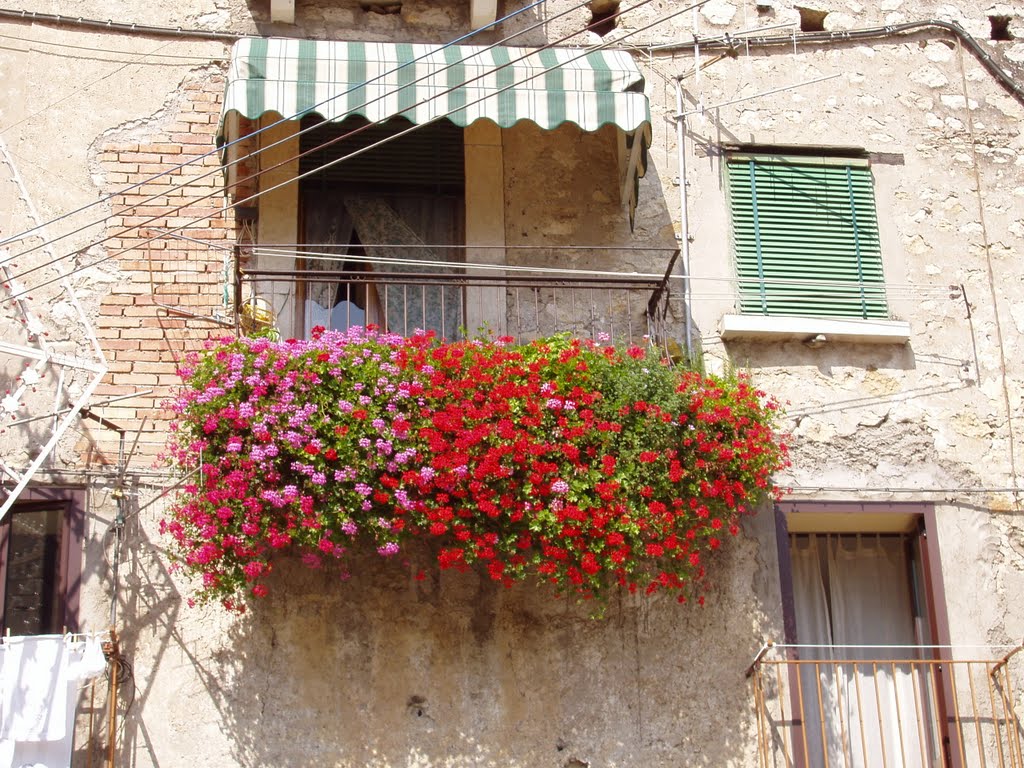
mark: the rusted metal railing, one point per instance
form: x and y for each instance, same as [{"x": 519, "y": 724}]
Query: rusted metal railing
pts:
[
  {"x": 454, "y": 304},
  {"x": 292, "y": 289},
  {"x": 896, "y": 712}
]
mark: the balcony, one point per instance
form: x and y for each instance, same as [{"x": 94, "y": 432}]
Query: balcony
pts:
[{"x": 898, "y": 711}]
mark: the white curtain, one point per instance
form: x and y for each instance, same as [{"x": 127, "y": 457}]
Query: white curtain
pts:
[
  {"x": 816, "y": 693},
  {"x": 852, "y": 591},
  {"x": 388, "y": 234},
  {"x": 338, "y": 305}
]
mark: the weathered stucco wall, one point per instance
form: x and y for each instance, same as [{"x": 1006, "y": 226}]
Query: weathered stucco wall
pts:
[
  {"x": 387, "y": 670},
  {"x": 944, "y": 410}
]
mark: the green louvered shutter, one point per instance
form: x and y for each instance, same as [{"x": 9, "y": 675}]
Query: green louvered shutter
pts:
[{"x": 805, "y": 236}]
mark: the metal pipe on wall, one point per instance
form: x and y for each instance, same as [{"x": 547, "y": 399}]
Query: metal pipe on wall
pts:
[{"x": 684, "y": 223}]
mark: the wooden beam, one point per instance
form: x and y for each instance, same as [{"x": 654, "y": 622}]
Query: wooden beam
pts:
[
  {"x": 632, "y": 164},
  {"x": 482, "y": 12},
  {"x": 282, "y": 10}
]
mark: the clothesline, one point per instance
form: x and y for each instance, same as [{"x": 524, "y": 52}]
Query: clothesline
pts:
[
  {"x": 40, "y": 680},
  {"x": 307, "y": 253}
]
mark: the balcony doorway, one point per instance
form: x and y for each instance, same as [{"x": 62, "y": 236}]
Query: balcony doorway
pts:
[
  {"x": 383, "y": 226},
  {"x": 859, "y": 612}
]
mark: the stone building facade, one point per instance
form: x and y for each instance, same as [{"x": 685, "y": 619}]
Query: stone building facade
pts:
[{"x": 903, "y": 388}]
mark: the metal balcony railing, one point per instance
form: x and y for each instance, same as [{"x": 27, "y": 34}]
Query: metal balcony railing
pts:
[
  {"x": 457, "y": 303},
  {"x": 894, "y": 712},
  {"x": 289, "y": 290}
]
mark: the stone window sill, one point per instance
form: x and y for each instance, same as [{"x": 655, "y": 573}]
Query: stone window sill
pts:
[{"x": 814, "y": 329}]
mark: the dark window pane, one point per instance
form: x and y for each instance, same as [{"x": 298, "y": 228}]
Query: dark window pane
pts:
[{"x": 31, "y": 603}]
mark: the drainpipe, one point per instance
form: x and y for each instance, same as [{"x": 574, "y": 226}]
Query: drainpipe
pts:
[
  {"x": 684, "y": 223},
  {"x": 115, "y": 567},
  {"x": 118, "y": 495}
]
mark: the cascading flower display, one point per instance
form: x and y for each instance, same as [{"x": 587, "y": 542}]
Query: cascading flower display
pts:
[{"x": 578, "y": 464}]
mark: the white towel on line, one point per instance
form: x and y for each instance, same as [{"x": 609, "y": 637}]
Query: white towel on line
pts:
[{"x": 39, "y": 681}]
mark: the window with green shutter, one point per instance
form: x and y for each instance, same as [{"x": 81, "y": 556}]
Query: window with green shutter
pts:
[{"x": 805, "y": 236}]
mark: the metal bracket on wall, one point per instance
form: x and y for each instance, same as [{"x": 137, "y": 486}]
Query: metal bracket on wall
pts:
[{"x": 970, "y": 323}]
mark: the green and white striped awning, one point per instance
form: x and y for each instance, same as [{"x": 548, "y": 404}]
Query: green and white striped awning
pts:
[{"x": 422, "y": 82}]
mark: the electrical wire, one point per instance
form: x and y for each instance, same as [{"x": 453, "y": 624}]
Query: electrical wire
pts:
[
  {"x": 298, "y": 177},
  {"x": 99, "y": 404},
  {"x": 297, "y": 247},
  {"x": 993, "y": 297},
  {"x": 726, "y": 41},
  {"x": 262, "y": 171},
  {"x": 866, "y": 489},
  {"x": 919, "y": 491},
  {"x": 259, "y": 131},
  {"x": 136, "y": 474},
  {"x": 56, "y": 19},
  {"x": 1005, "y": 79},
  {"x": 93, "y": 49},
  {"x": 854, "y": 287},
  {"x": 125, "y": 673},
  {"x": 76, "y": 92},
  {"x": 55, "y": 175},
  {"x": 298, "y": 251}
]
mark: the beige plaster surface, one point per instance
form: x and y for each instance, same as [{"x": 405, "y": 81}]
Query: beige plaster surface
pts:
[
  {"x": 385, "y": 670},
  {"x": 279, "y": 213},
  {"x": 485, "y": 221}
]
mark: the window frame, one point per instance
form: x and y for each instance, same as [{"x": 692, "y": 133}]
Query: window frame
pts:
[
  {"x": 69, "y": 559},
  {"x": 802, "y": 286},
  {"x": 840, "y": 517}
]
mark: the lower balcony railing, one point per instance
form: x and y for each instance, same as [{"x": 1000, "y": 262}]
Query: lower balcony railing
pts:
[{"x": 887, "y": 712}]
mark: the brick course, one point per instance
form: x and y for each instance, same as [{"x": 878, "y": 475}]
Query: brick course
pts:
[{"x": 143, "y": 341}]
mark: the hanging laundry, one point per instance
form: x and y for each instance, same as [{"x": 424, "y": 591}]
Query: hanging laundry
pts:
[{"x": 40, "y": 678}]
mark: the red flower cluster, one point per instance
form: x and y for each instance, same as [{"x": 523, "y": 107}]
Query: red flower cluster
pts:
[{"x": 577, "y": 464}]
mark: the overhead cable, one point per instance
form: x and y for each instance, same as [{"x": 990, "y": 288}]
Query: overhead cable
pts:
[
  {"x": 1005, "y": 79},
  {"x": 837, "y": 285},
  {"x": 302, "y": 131},
  {"x": 715, "y": 42},
  {"x": 867, "y": 489},
  {"x": 75, "y": 92},
  {"x": 57, "y": 20},
  {"x": 540, "y": 73},
  {"x": 259, "y": 131},
  {"x": 196, "y": 59}
]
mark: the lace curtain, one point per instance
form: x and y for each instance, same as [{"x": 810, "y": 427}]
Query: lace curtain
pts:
[
  {"x": 385, "y": 234},
  {"x": 852, "y": 591},
  {"x": 337, "y": 304}
]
